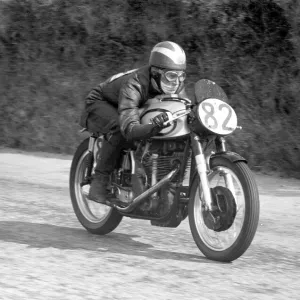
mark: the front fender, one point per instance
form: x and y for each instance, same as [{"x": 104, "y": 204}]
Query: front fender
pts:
[{"x": 231, "y": 156}]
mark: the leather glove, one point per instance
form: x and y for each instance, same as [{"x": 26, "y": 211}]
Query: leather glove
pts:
[
  {"x": 160, "y": 119},
  {"x": 143, "y": 131}
]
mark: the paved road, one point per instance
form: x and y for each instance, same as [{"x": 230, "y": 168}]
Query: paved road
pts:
[{"x": 46, "y": 254}]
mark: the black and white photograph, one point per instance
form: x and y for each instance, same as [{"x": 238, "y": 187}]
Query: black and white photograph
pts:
[{"x": 149, "y": 149}]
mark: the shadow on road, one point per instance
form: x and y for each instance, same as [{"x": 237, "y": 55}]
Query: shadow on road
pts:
[{"x": 46, "y": 236}]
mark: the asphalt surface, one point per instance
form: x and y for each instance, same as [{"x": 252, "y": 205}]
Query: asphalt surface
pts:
[{"x": 46, "y": 254}]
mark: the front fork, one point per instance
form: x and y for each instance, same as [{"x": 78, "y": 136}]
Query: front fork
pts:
[
  {"x": 221, "y": 147},
  {"x": 203, "y": 169}
]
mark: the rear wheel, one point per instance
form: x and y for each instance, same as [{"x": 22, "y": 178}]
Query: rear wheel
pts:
[
  {"x": 95, "y": 217},
  {"x": 225, "y": 235}
]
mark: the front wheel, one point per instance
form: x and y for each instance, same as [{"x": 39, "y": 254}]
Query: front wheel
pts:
[
  {"x": 227, "y": 233},
  {"x": 95, "y": 217}
]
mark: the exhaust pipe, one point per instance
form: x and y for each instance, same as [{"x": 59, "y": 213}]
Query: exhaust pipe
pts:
[{"x": 136, "y": 201}]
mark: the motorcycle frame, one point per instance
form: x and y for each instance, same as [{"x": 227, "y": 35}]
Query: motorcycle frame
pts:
[{"x": 202, "y": 167}]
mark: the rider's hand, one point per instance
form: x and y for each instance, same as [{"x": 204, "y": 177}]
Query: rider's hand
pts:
[{"x": 160, "y": 119}]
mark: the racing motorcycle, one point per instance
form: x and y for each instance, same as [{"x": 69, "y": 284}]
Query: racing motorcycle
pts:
[{"x": 184, "y": 171}]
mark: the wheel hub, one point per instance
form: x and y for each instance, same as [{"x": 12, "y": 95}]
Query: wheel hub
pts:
[{"x": 222, "y": 215}]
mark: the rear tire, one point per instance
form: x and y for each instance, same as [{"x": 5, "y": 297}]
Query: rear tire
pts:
[
  {"x": 238, "y": 240},
  {"x": 108, "y": 218}
]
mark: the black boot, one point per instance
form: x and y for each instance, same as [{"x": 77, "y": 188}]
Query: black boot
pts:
[
  {"x": 98, "y": 190},
  {"x": 110, "y": 152}
]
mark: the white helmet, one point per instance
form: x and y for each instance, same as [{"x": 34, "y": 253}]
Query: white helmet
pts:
[{"x": 168, "y": 55}]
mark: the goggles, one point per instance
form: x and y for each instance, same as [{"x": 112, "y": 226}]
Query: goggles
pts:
[{"x": 172, "y": 76}]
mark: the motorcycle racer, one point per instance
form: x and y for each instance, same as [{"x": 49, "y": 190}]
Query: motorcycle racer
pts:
[{"x": 111, "y": 108}]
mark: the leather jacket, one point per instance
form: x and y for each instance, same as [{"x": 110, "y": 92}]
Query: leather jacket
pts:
[{"x": 127, "y": 92}]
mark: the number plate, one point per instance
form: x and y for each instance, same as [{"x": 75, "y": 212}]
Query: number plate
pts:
[{"x": 217, "y": 116}]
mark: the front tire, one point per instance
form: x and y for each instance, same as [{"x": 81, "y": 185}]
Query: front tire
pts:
[
  {"x": 94, "y": 217},
  {"x": 231, "y": 241}
]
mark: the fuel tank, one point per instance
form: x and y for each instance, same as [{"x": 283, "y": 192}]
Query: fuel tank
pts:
[{"x": 156, "y": 106}]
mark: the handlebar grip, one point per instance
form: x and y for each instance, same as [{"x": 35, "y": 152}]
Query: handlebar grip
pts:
[{"x": 170, "y": 119}]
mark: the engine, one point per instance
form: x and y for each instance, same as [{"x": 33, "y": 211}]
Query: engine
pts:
[
  {"x": 153, "y": 161},
  {"x": 160, "y": 157}
]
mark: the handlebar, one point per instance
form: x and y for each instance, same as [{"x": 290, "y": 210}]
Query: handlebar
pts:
[
  {"x": 175, "y": 116},
  {"x": 176, "y": 98}
]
